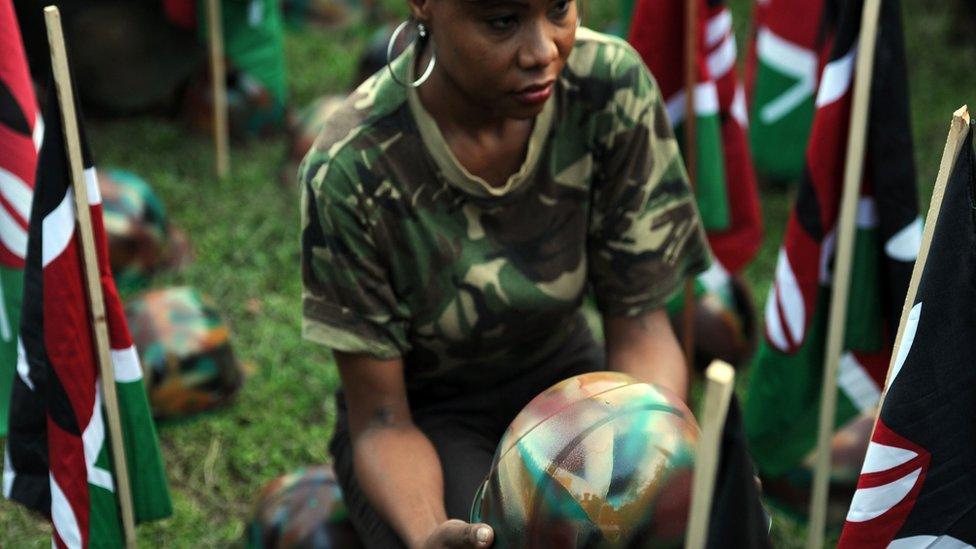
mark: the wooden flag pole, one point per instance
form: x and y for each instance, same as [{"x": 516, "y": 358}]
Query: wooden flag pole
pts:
[
  {"x": 218, "y": 77},
  {"x": 718, "y": 392},
  {"x": 691, "y": 161},
  {"x": 958, "y": 129},
  {"x": 844, "y": 259},
  {"x": 62, "y": 79}
]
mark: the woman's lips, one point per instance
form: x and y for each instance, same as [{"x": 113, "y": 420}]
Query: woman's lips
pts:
[{"x": 534, "y": 95}]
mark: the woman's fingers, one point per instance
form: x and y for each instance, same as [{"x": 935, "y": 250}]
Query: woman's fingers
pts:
[{"x": 457, "y": 534}]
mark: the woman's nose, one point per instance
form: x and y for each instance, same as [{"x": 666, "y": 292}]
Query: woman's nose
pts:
[{"x": 539, "y": 47}]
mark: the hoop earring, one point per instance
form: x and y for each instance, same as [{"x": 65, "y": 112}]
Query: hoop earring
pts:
[{"x": 421, "y": 35}]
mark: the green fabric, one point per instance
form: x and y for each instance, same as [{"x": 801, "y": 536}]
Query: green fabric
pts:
[
  {"x": 150, "y": 494},
  {"x": 12, "y": 286},
  {"x": 254, "y": 42},
  {"x": 626, "y": 14},
  {"x": 779, "y": 140},
  {"x": 713, "y": 201},
  {"x": 782, "y": 407},
  {"x": 406, "y": 259}
]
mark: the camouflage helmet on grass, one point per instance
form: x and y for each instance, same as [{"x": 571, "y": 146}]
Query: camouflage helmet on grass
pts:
[
  {"x": 185, "y": 351},
  {"x": 302, "y": 509},
  {"x": 140, "y": 238}
]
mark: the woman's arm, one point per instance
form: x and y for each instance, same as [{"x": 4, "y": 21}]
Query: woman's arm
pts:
[
  {"x": 646, "y": 348},
  {"x": 395, "y": 463}
]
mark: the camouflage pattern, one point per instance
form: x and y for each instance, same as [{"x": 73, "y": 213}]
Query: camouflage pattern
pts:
[
  {"x": 303, "y": 130},
  {"x": 598, "y": 460},
  {"x": 405, "y": 254},
  {"x": 140, "y": 238},
  {"x": 185, "y": 351},
  {"x": 302, "y": 509}
]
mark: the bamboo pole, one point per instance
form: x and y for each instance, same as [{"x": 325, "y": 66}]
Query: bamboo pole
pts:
[
  {"x": 718, "y": 392},
  {"x": 844, "y": 258},
  {"x": 218, "y": 77},
  {"x": 691, "y": 162},
  {"x": 62, "y": 79},
  {"x": 958, "y": 129}
]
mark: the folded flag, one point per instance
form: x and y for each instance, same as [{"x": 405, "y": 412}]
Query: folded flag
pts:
[
  {"x": 917, "y": 487},
  {"x": 20, "y": 124},
  {"x": 58, "y": 459},
  {"x": 784, "y": 388}
]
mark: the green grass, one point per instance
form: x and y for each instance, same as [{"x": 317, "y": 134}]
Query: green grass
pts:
[{"x": 245, "y": 231}]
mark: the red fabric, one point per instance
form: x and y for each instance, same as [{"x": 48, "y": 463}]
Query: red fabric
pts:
[
  {"x": 182, "y": 13},
  {"x": 18, "y": 156},
  {"x": 796, "y": 21},
  {"x": 879, "y": 531},
  {"x": 70, "y": 349},
  {"x": 657, "y": 33}
]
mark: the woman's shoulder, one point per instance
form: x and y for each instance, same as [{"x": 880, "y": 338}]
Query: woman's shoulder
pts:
[
  {"x": 359, "y": 124},
  {"x": 601, "y": 59}
]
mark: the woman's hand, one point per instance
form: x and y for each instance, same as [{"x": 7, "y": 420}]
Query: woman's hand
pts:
[{"x": 458, "y": 534}]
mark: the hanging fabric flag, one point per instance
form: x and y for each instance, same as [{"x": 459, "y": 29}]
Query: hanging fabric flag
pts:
[
  {"x": 782, "y": 75},
  {"x": 785, "y": 384},
  {"x": 917, "y": 487},
  {"x": 728, "y": 198},
  {"x": 58, "y": 458},
  {"x": 20, "y": 123}
]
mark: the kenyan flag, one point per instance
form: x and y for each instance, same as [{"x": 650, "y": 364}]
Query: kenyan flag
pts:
[
  {"x": 58, "y": 459},
  {"x": 783, "y": 78},
  {"x": 20, "y": 123},
  {"x": 785, "y": 385},
  {"x": 727, "y": 195}
]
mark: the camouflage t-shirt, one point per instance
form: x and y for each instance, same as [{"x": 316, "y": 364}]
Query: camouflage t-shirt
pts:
[{"x": 406, "y": 254}]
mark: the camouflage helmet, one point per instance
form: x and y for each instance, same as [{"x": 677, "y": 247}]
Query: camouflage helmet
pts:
[
  {"x": 140, "y": 239},
  {"x": 185, "y": 352},
  {"x": 302, "y": 509}
]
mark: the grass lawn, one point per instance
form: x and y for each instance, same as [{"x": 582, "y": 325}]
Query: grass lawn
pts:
[{"x": 245, "y": 231}]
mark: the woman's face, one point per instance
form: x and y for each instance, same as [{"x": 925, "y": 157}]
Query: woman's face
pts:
[{"x": 503, "y": 55}]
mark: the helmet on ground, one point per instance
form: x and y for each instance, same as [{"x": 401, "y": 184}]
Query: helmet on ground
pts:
[
  {"x": 599, "y": 460},
  {"x": 302, "y": 509},
  {"x": 141, "y": 241},
  {"x": 185, "y": 351}
]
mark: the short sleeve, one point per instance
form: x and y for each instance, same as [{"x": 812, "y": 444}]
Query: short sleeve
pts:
[
  {"x": 348, "y": 303},
  {"x": 645, "y": 235}
]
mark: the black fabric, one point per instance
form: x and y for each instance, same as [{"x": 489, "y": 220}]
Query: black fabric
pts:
[
  {"x": 465, "y": 430},
  {"x": 738, "y": 518}
]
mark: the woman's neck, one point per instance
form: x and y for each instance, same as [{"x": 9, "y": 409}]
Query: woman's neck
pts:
[{"x": 451, "y": 108}]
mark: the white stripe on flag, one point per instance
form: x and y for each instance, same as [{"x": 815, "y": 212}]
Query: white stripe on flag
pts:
[
  {"x": 63, "y": 517},
  {"x": 715, "y": 278},
  {"x": 126, "y": 363},
  {"x": 791, "y": 299},
  {"x": 706, "y": 102},
  {"x": 38, "y": 131},
  {"x": 929, "y": 542},
  {"x": 869, "y": 503},
  {"x": 93, "y": 440},
  {"x": 722, "y": 60},
  {"x": 867, "y": 213},
  {"x": 23, "y": 368},
  {"x": 8, "y": 472},
  {"x": 718, "y": 27},
  {"x": 12, "y": 234},
  {"x": 837, "y": 78},
  {"x": 792, "y": 60},
  {"x": 904, "y": 245},
  {"x": 16, "y": 192},
  {"x": 774, "y": 326},
  {"x": 740, "y": 112},
  {"x": 94, "y": 195},
  {"x": 859, "y": 387},
  {"x": 5, "y": 332},
  {"x": 907, "y": 340},
  {"x": 57, "y": 229},
  {"x": 881, "y": 457}
]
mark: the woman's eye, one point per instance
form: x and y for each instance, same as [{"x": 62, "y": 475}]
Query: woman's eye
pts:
[
  {"x": 503, "y": 23},
  {"x": 561, "y": 8}
]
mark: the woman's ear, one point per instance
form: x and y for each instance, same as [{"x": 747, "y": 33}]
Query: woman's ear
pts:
[{"x": 420, "y": 9}]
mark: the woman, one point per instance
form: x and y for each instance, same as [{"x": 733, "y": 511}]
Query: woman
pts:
[{"x": 456, "y": 211}]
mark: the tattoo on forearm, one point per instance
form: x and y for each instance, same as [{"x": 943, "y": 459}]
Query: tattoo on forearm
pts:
[{"x": 382, "y": 416}]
